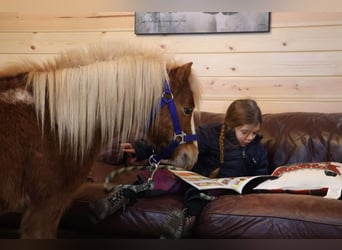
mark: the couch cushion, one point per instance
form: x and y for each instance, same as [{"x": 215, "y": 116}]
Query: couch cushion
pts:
[
  {"x": 295, "y": 137},
  {"x": 271, "y": 216}
]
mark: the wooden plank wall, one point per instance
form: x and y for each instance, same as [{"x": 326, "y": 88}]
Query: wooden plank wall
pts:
[{"x": 295, "y": 67}]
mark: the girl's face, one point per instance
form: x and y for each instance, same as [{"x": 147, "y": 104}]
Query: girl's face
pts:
[{"x": 246, "y": 133}]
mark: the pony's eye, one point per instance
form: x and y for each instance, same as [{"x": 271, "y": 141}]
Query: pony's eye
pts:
[{"x": 188, "y": 110}]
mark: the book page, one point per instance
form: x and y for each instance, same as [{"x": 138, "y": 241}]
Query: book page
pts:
[
  {"x": 204, "y": 183},
  {"x": 198, "y": 181}
]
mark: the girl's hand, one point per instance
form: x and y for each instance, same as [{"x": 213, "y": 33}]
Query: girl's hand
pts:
[{"x": 127, "y": 148}]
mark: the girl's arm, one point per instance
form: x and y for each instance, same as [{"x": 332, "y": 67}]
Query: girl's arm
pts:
[{"x": 140, "y": 149}]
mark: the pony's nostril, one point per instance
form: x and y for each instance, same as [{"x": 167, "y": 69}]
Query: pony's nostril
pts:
[{"x": 185, "y": 157}]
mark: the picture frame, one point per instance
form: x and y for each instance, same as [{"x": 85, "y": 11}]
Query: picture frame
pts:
[{"x": 148, "y": 23}]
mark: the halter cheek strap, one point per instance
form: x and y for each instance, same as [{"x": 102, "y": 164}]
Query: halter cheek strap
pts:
[{"x": 179, "y": 136}]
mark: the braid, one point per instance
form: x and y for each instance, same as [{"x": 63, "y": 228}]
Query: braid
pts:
[{"x": 221, "y": 143}]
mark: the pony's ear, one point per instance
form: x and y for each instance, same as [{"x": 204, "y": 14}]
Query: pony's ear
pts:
[
  {"x": 186, "y": 69},
  {"x": 183, "y": 71}
]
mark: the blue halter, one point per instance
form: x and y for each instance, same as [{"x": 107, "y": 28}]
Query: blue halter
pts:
[{"x": 179, "y": 136}]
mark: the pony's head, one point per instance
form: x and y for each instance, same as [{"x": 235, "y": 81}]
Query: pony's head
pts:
[
  {"x": 113, "y": 90},
  {"x": 174, "y": 124}
]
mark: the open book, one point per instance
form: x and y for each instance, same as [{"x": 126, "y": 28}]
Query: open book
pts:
[
  {"x": 240, "y": 185},
  {"x": 322, "y": 178}
]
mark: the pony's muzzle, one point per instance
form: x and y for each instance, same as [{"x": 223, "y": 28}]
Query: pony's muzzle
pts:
[{"x": 185, "y": 156}]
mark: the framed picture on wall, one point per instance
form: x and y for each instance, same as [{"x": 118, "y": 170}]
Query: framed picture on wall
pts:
[{"x": 201, "y": 22}]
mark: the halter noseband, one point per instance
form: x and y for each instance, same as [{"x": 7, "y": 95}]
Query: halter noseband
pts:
[{"x": 179, "y": 136}]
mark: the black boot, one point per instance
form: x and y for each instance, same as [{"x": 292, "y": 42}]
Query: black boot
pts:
[
  {"x": 101, "y": 209},
  {"x": 178, "y": 225}
]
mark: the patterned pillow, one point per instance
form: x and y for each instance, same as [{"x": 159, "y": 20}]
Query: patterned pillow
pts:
[{"x": 322, "y": 178}]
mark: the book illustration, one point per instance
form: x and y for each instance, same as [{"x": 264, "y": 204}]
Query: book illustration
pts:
[{"x": 307, "y": 176}]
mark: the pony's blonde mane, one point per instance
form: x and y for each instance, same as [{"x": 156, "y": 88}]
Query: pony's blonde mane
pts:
[{"x": 115, "y": 87}]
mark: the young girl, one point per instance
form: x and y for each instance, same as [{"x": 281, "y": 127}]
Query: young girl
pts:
[{"x": 227, "y": 149}]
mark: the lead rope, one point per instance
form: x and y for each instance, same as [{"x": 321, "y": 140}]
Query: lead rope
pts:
[
  {"x": 148, "y": 185},
  {"x": 154, "y": 165},
  {"x": 136, "y": 188}
]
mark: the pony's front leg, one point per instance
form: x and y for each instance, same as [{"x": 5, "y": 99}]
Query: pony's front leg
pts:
[{"x": 41, "y": 220}]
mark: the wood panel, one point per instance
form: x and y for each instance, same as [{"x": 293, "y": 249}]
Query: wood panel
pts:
[
  {"x": 301, "y": 88},
  {"x": 279, "y": 40},
  {"x": 305, "y": 19},
  {"x": 253, "y": 64},
  {"x": 116, "y": 22},
  {"x": 320, "y": 94},
  {"x": 125, "y": 21},
  {"x": 277, "y": 106},
  {"x": 267, "y": 64}
]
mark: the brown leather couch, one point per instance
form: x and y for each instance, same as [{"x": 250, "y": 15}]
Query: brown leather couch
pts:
[{"x": 288, "y": 137}]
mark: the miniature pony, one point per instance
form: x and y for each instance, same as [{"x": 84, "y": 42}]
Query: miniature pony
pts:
[{"x": 57, "y": 114}]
